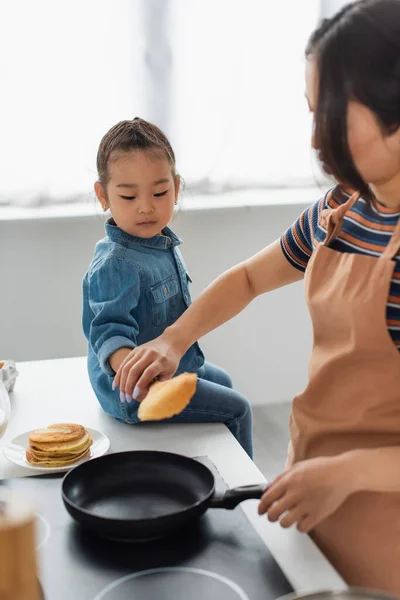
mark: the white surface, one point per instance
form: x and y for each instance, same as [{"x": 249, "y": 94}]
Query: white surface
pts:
[
  {"x": 59, "y": 391},
  {"x": 15, "y": 451},
  {"x": 265, "y": 349}
]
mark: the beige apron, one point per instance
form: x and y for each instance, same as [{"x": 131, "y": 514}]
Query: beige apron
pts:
[{"x": 352, "y": 400}]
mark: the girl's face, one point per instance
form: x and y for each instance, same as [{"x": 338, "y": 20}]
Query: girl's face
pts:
[
  {"x": 375, "y": 155},
  {"x": 141, "y": 193}
]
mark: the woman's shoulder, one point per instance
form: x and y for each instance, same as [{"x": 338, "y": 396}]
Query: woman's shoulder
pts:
[
  {"x": 312, "y": 221},
  {"x": 337, "y": 196}
]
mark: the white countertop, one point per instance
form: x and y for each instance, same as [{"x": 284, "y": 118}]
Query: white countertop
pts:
[{"x": 54, "y": 391}]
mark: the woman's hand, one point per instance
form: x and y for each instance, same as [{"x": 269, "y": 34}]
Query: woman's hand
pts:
[
  {"x": 308, "y": 492},
  {"x": 158, "y": 358}
]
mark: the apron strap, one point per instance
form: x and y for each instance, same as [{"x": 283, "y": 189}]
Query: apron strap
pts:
[
  {"x": 334, "y": 218},
  {"x": 394, "y": 243},
  {"x": 334, "y": 221}
]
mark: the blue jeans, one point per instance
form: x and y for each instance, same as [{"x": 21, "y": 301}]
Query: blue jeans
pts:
[{"x": 214, "y": 402}]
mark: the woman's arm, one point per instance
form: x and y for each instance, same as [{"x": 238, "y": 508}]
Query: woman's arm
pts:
[
  {"x": 118, "y": 357},
  {"x": 311, "y": 490},
  {"x": 223, "y": 299},
  {"x": 230, "y": 293},
  {"x": 374, "y": 469}
]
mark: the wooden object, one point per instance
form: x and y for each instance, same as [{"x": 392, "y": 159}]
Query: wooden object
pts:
[{"x": 18, "y": 566}]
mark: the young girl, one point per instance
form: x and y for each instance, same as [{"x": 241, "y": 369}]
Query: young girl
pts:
[
  {"x": 137, "y": 283},
  {"x": 342, "y": 481}
]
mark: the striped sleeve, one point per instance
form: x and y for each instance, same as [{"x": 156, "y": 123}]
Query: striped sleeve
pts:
[{"x": 298, "y": 242}]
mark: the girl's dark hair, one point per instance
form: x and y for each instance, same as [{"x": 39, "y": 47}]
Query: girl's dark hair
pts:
[
  {"x": 126, "y": 136},
  {"x": 357, "y": 53}
]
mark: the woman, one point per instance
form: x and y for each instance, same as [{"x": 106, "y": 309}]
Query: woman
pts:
[{"x": 342, "y": 481}]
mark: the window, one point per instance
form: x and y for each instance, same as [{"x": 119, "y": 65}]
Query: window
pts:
[{"x": 223, "y": 78}]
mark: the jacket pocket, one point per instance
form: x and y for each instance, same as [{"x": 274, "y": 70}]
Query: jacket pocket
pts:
[{"x": 164, "y": 301}]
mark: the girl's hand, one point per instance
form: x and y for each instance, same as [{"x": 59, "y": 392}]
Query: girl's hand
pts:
[
  {"x": 308, "y": 492},
  {"x": 143, "y": 364}
]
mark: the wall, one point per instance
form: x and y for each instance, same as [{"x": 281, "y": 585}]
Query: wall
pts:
[{"x": 265, "y": 348}]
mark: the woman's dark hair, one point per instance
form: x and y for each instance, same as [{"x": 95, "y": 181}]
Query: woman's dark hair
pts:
[
  {"x": 357, "y": 53},
  {"x": 126, "y": 136}
]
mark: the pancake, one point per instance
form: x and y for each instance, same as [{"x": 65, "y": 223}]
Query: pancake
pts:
[
  {"x": 168, "y": 398},
  {"x": 53, "y": 462},
  {"x": 58, "y": 445},
  {"x": 62, "y": 451},
  {"x": 74, "y": 446},
  {"x": 60, "y": 432}
]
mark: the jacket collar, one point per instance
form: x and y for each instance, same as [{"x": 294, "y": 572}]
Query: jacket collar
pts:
[{"x": 160, "y": 242}]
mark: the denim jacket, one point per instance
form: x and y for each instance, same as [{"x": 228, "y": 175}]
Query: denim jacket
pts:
[{"x": 134, "y": 289}]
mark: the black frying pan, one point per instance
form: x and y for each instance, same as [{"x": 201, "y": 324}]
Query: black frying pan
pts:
[{"x": 144, "y": 495}]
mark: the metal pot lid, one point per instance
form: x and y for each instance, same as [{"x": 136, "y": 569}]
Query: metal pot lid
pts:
[{"x": 346, "y": 594}]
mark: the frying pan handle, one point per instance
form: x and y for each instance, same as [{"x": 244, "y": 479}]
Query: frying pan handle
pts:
[{"x": 235, "y": 496}]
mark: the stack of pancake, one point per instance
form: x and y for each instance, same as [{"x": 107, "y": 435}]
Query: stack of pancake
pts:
[{"x": 58, "y": 445}]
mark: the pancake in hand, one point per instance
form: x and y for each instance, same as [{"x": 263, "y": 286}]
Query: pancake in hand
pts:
[{"x": 168, "y": 398}]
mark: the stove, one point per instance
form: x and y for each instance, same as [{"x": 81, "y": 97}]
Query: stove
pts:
[{"x": 221, "y": 556}]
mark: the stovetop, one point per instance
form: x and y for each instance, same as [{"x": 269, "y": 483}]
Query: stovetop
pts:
[{"x": 220, "y": 557}]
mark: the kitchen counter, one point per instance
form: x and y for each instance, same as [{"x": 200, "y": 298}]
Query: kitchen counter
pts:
[{"x": 54, "y": 391}]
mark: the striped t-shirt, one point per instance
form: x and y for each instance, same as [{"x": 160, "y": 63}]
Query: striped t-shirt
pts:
[{"x": 367, "y": 229}]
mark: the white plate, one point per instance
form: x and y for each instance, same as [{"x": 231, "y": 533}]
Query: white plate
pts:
[{"x": 15, "y": 451}]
